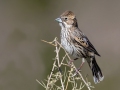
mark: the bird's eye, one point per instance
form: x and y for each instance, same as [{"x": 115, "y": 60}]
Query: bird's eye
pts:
[{"x": 65, "y": 18}]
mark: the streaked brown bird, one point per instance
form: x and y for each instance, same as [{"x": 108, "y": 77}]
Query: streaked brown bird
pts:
[{"x": 76, "y": 43}]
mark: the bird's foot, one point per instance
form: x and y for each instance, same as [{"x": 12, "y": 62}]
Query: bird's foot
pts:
[
  {"x": 76, "y": 72},
  {"x": 78, "y": 69},
  {"x": 70, "y": 62}
]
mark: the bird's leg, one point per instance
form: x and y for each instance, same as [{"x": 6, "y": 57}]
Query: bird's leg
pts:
[
  {"x": 78, "y": 69},
  {"x": 83, "y": 61},
  {"x": 70, "y": 61}
]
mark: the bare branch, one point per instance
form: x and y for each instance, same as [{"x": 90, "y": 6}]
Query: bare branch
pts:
[{"x": 65, "y": 78}]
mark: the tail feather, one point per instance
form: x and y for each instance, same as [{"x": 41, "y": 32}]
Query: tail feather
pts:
[{"x": 96, "y": 71}]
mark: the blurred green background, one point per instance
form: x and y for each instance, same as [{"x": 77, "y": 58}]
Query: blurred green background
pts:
[{"x": 23, "y": 23}]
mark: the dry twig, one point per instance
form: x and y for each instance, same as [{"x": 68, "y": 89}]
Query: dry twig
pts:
[{"x": 67, "y": 78}]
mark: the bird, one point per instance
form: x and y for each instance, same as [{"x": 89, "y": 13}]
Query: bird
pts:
[{"x": 76, "y": 44}]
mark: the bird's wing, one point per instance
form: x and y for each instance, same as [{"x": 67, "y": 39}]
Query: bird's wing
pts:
[{"x": 82, "y": 40}]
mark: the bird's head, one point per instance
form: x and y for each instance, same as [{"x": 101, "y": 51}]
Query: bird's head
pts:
[{"x": 67, "y": 20}]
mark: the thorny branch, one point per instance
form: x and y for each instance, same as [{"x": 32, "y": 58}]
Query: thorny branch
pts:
[{"x": 67, "y": 78}]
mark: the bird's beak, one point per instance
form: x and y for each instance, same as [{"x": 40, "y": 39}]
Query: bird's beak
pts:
[{"x": 58, "y": 20}]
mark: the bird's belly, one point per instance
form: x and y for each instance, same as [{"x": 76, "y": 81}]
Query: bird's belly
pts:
[
  {"x": 71, "y": 49},
  {"x": 67, "y": 46}
]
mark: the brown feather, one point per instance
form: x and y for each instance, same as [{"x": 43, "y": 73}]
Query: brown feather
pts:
[{"x": 68, "y": 14}]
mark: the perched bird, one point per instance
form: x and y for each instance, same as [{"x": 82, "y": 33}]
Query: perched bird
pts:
[{"x": 76, "y": 43}]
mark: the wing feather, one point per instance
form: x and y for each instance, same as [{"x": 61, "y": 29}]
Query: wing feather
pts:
[{"x": 82, "y": 40}]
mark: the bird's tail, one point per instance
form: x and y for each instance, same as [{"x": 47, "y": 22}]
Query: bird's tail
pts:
[{"x": 96, "y": 71}]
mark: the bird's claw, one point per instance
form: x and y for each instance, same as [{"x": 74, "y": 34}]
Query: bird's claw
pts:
[
  {"x": 76, "y": 72},
  {"x": 70, "y": 62}
]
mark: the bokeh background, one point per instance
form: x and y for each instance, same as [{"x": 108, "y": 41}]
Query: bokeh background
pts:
[{"x": 23, "y": 23}]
